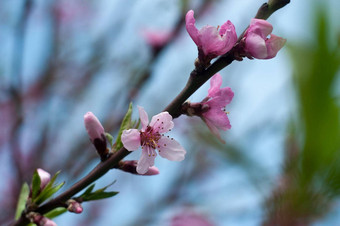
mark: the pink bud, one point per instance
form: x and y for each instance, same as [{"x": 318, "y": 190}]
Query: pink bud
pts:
[
  {"x": 93, "y": 126},
  {"x": 41, "y": 220},
  {"x": 256, "y": 42},
  {"x": 74, "y": 206},
  {"x": 45, "y": 178},
  {"x": 97, "y": 134},
  {"x": 131, "y": 167}
]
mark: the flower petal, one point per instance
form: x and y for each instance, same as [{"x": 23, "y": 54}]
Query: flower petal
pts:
[
  {"x": 144, "y": 118},
  {"x": 260, "y": 27},
  {"x": 274, "y": 44},
  {"x": 215, "y": 44},
  {"x": 213, "y": 129},
  {"x": 162, "y": 122},
  {"x": 256, "y": 46},
  {"x": 218, "y": 118},
  {"x": 191, "y": 28},
  {"x": 146, "y": 160},
  {"x": 131, "y": 139},
  {"x": 170, "y": 149},
  {"x": 215, "y": 84}
]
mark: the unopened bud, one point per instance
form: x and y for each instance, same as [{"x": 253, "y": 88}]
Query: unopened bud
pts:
[
  {"x": 96, "y": 133},
  {"x": 45, "y": 178},
  {"x": 131, "y": 166},
  {"x": 74, "y": 206}
]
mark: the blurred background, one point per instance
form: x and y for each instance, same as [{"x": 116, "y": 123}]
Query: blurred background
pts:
[{"x": 281, "y": 161}]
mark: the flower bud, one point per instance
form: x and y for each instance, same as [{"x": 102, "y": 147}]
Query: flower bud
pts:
[
  {"x": 74, "y": 206},
  {"x": 45, "y": 178},
  {"x": 40, "y": 220},
  {"x": 96, "y": 133},
  {"x": 131, "y": 167}
]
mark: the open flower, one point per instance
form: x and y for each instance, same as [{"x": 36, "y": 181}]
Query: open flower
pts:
[
  {"x": 211, "y": 41},
  {"x": 218, "y": 98},
  {"x": 256, "y": 42},
  {"x": 151, "y": 137},
  {"x": 212, "y": 108}
]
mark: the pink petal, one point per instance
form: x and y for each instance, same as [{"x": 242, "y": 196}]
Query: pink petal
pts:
[
  {"x": 274, "y": 44},
  {"x": 93, "y": 127},
  {"x": 144, "y": 118},
  {"x": 45, "y": 178},
  {"x": 260, "y": 27},
  {"x": 256, "y": 46},
  {"x": 218, "y": 118},
  {"x": 213, "y": 129},
  {"x": 191, "y": 28},
  {"x": 146, "y": 160},
  {"x": 162, "y": 122},
  {"x": 213, "y": 43},
  {"x": 171, "y": 149},
  {"x": 131, "y": 139},
  {"x": 215, "y": 84}
]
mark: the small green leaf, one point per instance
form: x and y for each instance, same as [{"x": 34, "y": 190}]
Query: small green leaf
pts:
[
  {"x": 126, "y": 124},
  {"x": 109, "y": 138},
  {"x": 48, "y": 192},
  {"x": 35, "y": 184},
  {"x": 56, "y": 212},
  {"x": 100, "y": 195},
  {"x": 88, "y": 195},
  {"x": 88, "y": 190},
  {"x": 25, "y": 190}
]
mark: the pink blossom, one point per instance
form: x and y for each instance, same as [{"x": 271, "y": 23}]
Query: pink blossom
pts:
[
  {"x": 215, "y": 116},
  {"x": 156, "y": 38},
  {"x": 211, "y": 41},
  {"x": 45, "y": 178},
  {"x": 256, "y": 42},
  {"x": 93, "y": 127},
  {"x": 151, "y": 137}
]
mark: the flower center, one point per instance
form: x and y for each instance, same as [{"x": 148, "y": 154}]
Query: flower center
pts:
[{"x": 149, "y": 137}]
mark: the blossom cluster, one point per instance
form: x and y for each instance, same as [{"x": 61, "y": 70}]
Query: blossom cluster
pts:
[{"x": 212, "y": 42}]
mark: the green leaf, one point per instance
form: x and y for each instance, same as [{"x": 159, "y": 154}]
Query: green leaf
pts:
[
  {"x": 48, "y": 192},
  {"x": 56, "y": 212},
  {"x": 109, "y": 138},
  {"x": 100, "y": 195},
  {"x": 36, "y": 181},
  {"x": 25, "y": 190},
  {"x": 126, "y": 124},
  {"x": 88, "y": 190},
  {"x": 88, "y": 195}
]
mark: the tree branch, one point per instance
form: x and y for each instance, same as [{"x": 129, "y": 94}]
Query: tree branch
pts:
[{"x": 196, "y": 80}]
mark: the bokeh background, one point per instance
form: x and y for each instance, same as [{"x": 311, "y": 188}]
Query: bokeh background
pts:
[{"x": 281, "y": 161}]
